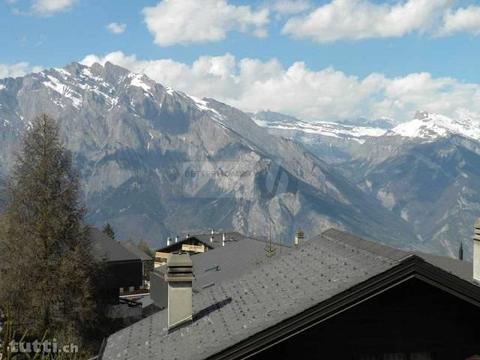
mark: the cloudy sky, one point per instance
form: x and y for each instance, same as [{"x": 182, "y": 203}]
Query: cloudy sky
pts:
[{"x": 317, "y": 60}]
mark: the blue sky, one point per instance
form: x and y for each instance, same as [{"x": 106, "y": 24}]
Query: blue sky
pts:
[{"x": 52, "y": 33}]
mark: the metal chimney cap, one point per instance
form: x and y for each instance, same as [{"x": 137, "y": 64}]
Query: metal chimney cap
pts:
[
  {"x": 179, "y": 260},
  {"x": 477, "y": 223}
]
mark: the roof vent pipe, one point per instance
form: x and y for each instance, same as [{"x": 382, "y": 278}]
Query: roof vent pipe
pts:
[
  {"x": 176, "y": 239},
  {"x": 299, "y": 236},
  {"x": 476, "y": 251},
  {"x": 168, "y": 241},
  {"x": 223, "y": 239}
]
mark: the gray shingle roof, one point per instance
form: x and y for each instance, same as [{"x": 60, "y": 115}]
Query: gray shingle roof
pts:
[
  {"x": 108, "y": 249},
  {"x": 231, "y": 261},
  {"x": 237, "y": 308},
  {"x": 461, "y": 269},
  {"x": 137, "y": 252}
]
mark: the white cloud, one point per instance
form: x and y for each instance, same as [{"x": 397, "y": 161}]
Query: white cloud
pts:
[
  {"x": 289, "y": 7},
  {"x": 116, "y": 28},
  {"x": 18, "y": 69},
  {"x": 362, "y": 19},
  {"x": 326, "y": 94},
  {"x": 462, "y": 20},
  {"x": 189, "y": 21},
  {"x": 50, "y": 7}
]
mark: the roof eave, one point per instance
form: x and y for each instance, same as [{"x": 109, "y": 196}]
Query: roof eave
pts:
[{"x": 410, "y": 267}]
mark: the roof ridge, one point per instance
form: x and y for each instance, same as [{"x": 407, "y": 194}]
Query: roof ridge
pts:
[{"x": 386, "y": 252}]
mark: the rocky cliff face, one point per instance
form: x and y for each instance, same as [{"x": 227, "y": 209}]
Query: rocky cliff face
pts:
[
  {"x": 156, "y": 162},
  {"x": 427, "y": 170},
  {"x": 434, "y": 186}
]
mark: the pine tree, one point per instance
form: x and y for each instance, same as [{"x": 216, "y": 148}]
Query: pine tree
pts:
[
  {"x": 47, "y": 281},
  {"x": 108, "y": 230}
]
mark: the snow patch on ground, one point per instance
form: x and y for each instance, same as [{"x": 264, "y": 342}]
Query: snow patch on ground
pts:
[
  {"x": 63, "y": 72},
  {"x": 203, "y": 106},
  {"x": 137, "y": 80},
  {"x": 64, "y": 90},
  {"x": 88, "y": 74},
  {"x": 324, "y": 128},
  {"x": 386, "y": 198}
]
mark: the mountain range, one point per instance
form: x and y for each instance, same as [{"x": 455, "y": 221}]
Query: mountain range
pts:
[
  {"x": 156, "y": 162},
  {"x": 425, "y": 170}
]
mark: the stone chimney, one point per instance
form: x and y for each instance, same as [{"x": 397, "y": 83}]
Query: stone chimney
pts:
[
  {"x": 476, "y": 251},
  {"x": 179, "y": 278}
]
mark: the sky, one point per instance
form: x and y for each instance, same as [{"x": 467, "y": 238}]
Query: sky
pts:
[{"x": 317, "y": 60}]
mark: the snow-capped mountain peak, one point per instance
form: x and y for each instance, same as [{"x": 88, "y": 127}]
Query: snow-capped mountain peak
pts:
[
  {"x": 431, "y": 126},
  {"x": 75, "y": 85}
]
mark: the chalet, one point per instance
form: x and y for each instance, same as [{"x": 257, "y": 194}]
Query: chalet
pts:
[
  {"x": 147, "y": 264},
  {"x": 195, "y": 244},
  {"x": 336, "y": 296},
  {"x": 124, "y": 268}
]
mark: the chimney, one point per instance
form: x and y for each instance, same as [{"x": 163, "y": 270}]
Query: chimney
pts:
[
  {"x": 223, "y": 239},
  {"x": 176, "y": 239},
  {"x": 476, "y": 251},
  {"x": 179, "y": 278},
  {"x": 168, "y": 241}
]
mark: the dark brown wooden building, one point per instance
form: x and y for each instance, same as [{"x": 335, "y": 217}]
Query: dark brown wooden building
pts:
[{"x": 124, "y": 269}]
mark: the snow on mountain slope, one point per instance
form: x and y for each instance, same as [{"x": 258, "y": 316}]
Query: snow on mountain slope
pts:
[
  {"x": 277, "y": 121},
  {"x": 432, "y": 126},
  {"x": 424, "y": 126},
  {"x": 73, "y": 85}
]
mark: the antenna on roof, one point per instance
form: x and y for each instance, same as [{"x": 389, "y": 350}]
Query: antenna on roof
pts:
[
  {"x": 270, "y": 250},
  {"x": 460, "y": 251}
]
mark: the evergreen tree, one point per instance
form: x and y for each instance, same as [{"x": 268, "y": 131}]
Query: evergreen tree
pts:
[
  {"x": 108, "y": 230},
  {"x": 48, "y": 266}
]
